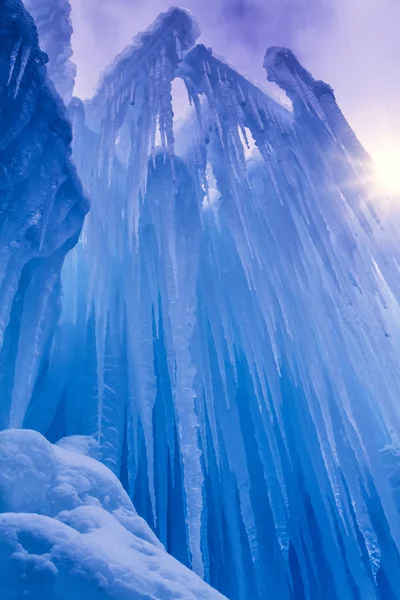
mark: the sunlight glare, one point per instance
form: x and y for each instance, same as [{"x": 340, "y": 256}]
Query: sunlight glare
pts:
[{"x": 387, "y": 169}]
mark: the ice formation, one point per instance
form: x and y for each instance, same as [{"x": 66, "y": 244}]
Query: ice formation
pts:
[
  {"x": 69, "y": 531},
  {"x": 230, "y": 324},
  {"x": 53, "y": 22},
  {"x": 42, "y": 210}
]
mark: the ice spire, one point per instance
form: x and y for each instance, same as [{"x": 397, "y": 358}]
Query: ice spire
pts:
[
  {"x": 133, "y": 101},
  {"x": 53, "y": 22},
  {"x": 310, "y": 95}
]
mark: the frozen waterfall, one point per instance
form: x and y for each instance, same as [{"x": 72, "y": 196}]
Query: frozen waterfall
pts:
[{"x": 230, "y": 328}]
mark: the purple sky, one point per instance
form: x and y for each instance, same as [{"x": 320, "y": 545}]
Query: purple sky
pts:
[{"x": 352, "y": 44}]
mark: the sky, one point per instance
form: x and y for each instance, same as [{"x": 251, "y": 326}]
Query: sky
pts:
[{"x": 353, "y": 45}]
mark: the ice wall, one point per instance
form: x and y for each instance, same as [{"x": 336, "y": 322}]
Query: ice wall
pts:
[
  {"x": 230, "y": 329},
  {"x": 42, "y": 210},
  {"x": 53, "y": 22}
]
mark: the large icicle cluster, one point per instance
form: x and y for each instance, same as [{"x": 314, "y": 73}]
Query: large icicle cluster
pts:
[
  {"x": 42, "y": 210},
  {"x": 53, "y": 22},
  {"x": 116, "y": 297},
  {"x": 230, "y": 329},
  {"x": 303, "y": 331}
]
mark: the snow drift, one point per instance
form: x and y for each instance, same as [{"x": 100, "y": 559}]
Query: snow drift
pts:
[{"x": 68, "y": 530}]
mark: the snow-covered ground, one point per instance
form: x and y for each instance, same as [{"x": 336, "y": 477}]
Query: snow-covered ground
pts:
[{"x": 69, "y": 531}]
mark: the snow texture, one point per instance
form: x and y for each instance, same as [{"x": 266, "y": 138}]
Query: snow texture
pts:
[{"x": 68, "y": 530}]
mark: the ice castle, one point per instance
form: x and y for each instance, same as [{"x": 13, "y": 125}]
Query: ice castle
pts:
[{"x": 199, "y": 329}]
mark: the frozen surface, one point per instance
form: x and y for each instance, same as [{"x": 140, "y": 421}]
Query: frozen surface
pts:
[{"x": 68, "y": 530}]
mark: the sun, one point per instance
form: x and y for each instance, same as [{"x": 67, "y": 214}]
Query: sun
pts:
[{"x": 387, "y": 169}]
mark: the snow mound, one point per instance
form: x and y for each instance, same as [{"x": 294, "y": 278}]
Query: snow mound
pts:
[{"x": 68, "y": 530}]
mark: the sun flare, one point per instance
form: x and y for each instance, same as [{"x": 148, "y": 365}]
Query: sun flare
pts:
[{"x": 387, "y": 170}]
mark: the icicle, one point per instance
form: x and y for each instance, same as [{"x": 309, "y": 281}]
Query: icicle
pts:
[
  {"x": 178, "y": 48},
  {"x": 24, "y": 61},
  {"x": 13, "y": 59}
]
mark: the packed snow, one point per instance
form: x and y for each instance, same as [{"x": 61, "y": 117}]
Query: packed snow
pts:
[{"x": 68, "y": 530}]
